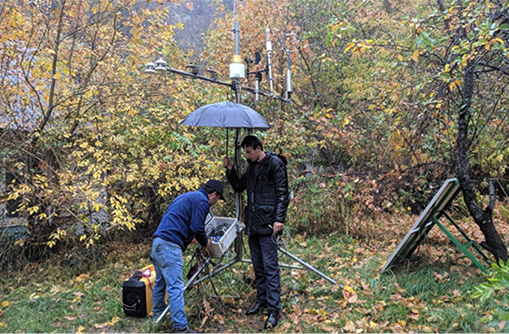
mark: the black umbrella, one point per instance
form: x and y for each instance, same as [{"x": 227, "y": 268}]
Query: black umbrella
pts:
[{"x": 227, "y": 115}]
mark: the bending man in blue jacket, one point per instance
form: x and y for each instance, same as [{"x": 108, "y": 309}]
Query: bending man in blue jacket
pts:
[{"x": 183, "y": 221}]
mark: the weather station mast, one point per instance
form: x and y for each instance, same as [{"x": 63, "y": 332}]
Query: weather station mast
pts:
[
  {"x": 237, "y": 73},
  {"x": 228, "y": 112}
]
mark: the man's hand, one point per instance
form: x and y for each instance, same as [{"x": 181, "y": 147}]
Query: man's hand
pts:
[
  {"x": 278, "y": 227},
  {"x": 227, "y": 163},
  {"x": 206, "y": 250}
]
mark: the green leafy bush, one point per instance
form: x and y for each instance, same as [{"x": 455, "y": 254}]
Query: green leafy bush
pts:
[{"x": 498, "y": 287}]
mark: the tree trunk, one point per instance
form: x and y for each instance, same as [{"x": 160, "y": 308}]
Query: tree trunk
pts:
[{"x": 483, "y": 218}]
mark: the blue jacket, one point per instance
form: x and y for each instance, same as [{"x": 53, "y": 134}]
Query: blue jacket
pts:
[{"x": 185, "y": 219}]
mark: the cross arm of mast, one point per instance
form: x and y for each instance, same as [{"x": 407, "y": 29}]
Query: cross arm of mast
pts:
[
  {"x": 198, "y": 76},
  {"x": 223, "y": 83}
]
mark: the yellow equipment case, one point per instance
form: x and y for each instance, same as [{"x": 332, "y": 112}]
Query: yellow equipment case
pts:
[{"x": 137, "y": 292}]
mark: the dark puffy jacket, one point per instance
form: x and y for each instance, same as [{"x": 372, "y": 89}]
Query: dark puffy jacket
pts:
[{"x": 267, "y": 193}]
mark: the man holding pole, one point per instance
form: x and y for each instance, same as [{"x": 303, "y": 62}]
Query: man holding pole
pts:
[
  {"x": 183, "y": 221},
  {"x": 266, "y": 182}
]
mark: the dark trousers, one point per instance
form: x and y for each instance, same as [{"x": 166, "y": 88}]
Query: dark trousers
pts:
[{"x": 268, "y": 283}]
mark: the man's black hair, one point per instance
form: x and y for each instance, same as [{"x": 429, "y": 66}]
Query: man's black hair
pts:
[{"x": 252, "y": 141}]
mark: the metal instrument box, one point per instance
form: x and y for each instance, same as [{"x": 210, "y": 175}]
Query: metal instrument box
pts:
[{"x": 223, "y": 232}]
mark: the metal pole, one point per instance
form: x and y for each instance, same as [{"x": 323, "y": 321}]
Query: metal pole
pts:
[
  {"x": 236, "y": 30},
  {"x": 288, "y": 77},
  {"x": 460, "y": 246},
  {"x": 269, "y": 65},
  {"x": 228, "y": 84},
  {"x": 282, "y": 265},
  {"x": 215, "y": 272},
  {"x": 198, "y": 76},
  {"x": 304, "y": 264},
  {"x": 257, "y": 88},
  {"x": 239, "y": 242}
]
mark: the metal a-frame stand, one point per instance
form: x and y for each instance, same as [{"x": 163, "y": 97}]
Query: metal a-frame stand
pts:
[
  {"x": 429, "y": 218},
  {"x": 195, "y": 280}
]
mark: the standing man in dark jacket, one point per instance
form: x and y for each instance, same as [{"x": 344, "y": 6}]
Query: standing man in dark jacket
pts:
[
  {"x": 266, "y": 182},
  {"x": 183, "y": 221}
]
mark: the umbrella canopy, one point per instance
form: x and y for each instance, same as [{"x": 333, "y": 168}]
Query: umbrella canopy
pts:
[{"x": 226, "y": 115}]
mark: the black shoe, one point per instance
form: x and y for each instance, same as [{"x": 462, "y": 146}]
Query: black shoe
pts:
[
  {"x": 256, "y": 308},
  {"x": 272, "y": 320}
]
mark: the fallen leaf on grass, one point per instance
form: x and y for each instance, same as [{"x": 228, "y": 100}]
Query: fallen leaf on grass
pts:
[
  {"x": 58, "y": 324},
  {"x": 349, "y": 295},
  {"x": 349, "y": 327},
  {"x": 55, "y": 289},
  {"x": 285, "y": 327},
  {"x": 208, "y": 310},
  {"x": 80, "y": 329},
  {"x": 204, "y": 321},
  {"x": 329, "y": 329},
  {"x": 5, "y": 304},
  {"x": 101, "y": 326},
  {"x": 229, "y": 301},
  {"x": 219, "y": 318},
  {"x": 82, "y": 277},
  {"x": 441, "y": 278},
  {"x": 70, "y": 318},
  {"x": 426, "y": 329},
  {"x": 396, "y": 297},
  {"x": 396, "y": 328},
  {"x": 33, "y": 297}
]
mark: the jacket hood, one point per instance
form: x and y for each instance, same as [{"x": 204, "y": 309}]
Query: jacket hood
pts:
[{"x": 280, "y": 156}]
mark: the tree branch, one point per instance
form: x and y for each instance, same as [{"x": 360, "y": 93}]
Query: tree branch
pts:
[
  {"x": 494, "y": 68},
  {"x": 54, "y": 69},
  {"x": 309, "y": 71}
]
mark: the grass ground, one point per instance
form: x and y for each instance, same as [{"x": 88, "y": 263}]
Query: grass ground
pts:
[{"x": 430, "y": 293}]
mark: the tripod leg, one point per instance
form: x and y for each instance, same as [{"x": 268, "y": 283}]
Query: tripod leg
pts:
[
  {"x": 188, "y": 284},
  {"x": 306, "y": 265},
  {"x": 282, "y": 265},
  {"x": 215, "y": 272}
]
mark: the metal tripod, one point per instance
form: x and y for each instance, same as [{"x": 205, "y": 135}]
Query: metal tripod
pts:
[{"x": 195, "y": 281}]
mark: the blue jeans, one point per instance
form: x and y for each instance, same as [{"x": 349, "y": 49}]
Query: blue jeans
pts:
[{"x": 168, "y": 263}]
